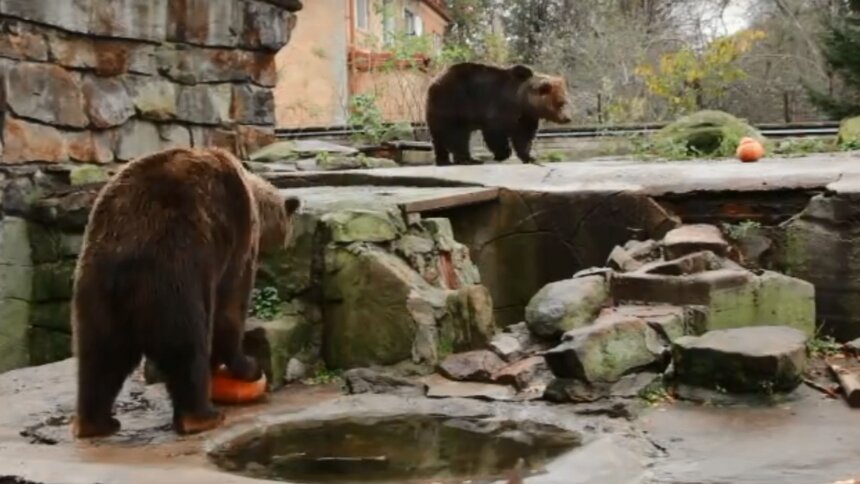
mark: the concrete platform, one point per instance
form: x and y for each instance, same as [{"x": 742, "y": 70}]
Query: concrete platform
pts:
[{"x": 653, "y": 178}]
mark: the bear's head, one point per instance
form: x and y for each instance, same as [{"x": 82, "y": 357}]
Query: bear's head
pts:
[
  {"x": 544, "y": 95},
  {"x": 276, "y": 214}
]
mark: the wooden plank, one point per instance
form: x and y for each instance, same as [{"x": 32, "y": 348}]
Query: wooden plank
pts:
[
  {"x": 849, "y": 379},
  {"x": 479, "y": 195}
]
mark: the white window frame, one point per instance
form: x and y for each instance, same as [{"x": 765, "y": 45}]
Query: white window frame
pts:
[{"x": 362, "y": 14}]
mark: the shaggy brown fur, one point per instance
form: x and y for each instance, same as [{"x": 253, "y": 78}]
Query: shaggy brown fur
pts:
[
  {"x": 505, "y": 104},
  {"x": 166, "y": 271}
]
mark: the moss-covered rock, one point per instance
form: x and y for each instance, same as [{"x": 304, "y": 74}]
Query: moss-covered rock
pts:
[
  {"x": 710, "y": 133},
  {"x": 53, "y": 281},
  {"x": 374, "y": 305},
  {"x": 86, "y": 174},
  {"x": 759, "y": 359},
  {"x": 565, "y": 305},
  {"x": 14, "y": 324},
  {"x": 290, "y": 270},
  {"x": 55, "y": 316},
  {"x": 469, "y": 324},
  {"x": 733, "y": 298},
  {"x": 347, "y": 226},
  {"x": 275, "y": 342},
  {"x": 606, "y": 350},
  {"x": 51, "y": 245},
  {"x": 48, "y": 346}
]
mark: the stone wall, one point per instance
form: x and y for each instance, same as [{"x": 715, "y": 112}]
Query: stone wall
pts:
[
  {"x": 88, "y": 84},
  {"x": 101, "y": 81}
]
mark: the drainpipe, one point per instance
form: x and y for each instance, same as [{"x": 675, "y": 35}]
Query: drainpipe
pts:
[{"x": 350, "y": 43}]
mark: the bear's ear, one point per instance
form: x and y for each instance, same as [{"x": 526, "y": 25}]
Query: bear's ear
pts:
[
  {"x": 521, "y": 72},
  {"x": 292, "y": 204}
]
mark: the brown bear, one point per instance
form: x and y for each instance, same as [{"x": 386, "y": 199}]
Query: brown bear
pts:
[
  {"x": 505, "y": 104},
  {"x": 166, "y": 271}
]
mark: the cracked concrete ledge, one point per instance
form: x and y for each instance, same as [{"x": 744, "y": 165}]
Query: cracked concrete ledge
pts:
[{"x": 648, "y": 178}]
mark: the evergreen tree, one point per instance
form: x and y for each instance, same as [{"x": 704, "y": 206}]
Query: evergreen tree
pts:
[{"x": 840, "y": 46}]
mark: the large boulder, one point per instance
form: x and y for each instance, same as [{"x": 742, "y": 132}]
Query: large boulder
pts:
[
  {"x": 688, "y": 239},
  {"x": 606, "y": 350},
  {"x": 375, "y": 307},
  {"x": 733, "y": 297},
  {"x": 565, "y": 305},
  {"x": 754, "y": 359},
  {"x": 849, "y": 132},
  {"x": 822, "y": 245},
  {"x": 707, "y": 133}
]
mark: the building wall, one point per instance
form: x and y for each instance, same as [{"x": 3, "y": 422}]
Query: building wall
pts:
[
  {"x": 316, "y": 80},
  {"x": 312, "y": 74},
  {"x": 400, "y": 93}
]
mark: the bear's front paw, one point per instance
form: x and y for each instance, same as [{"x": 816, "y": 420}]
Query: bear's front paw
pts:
[{"x": 245, "y": 368}]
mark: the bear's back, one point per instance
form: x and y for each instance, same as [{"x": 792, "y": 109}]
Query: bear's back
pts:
[{"x": 181, "y": 197}]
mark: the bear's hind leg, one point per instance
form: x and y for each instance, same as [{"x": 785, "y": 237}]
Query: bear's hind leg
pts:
[
  {"x": 234, "y": 294},
  {"x": 189, "y": 385},
  {"x": 102, "y": 369},
  {"x": 179, "y": 344}
]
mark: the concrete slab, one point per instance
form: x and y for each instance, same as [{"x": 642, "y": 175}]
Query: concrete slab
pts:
[{"x": 651, "y": 178}]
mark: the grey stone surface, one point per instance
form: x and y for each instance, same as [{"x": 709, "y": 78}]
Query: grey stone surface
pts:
[
  {"x": 476, "y": 366},
  {"x": 107, "y": 102},
  {"x": 363, "y": 380},
  {"x": 46, "y": 93},
  {"x": 694, "y": 238},
  {"x": 566, "y": 305},
  {"x": 760, "y": 359},
  {"x": 606, "y": 350}
]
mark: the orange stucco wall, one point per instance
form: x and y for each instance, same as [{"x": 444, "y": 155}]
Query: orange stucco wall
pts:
[
  {"x": 315, "y": 80},
  {"x": 312, "y": 85}
]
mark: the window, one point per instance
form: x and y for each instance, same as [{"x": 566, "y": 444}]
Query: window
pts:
[
  {"x": 413, "y": 24},
  {"x": 362, "y": 14},
  {"x": 388, "y": 26}
]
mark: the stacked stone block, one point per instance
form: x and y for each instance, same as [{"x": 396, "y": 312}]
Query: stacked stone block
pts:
[{"x": 102, "y": 81}]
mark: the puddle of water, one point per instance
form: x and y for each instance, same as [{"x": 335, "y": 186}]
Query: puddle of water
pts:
[{"x": 409, "y": 449}]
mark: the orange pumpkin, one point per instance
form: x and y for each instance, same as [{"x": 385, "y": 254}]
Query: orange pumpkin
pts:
[
  {"x": 750, "y": 150},
  {"x": 226, "y": 389}
]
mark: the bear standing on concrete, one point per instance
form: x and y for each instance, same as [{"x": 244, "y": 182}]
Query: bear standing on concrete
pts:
[
  {"x": 166, "y": 271},
  {"x": 505, "y": 104}
]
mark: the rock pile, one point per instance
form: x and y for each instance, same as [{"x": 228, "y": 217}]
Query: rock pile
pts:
[{"x": 679, "y": 304}]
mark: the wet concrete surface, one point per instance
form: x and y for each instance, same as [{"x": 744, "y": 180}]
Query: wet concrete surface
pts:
[
  {"x": 808, "y": 439},
  {"x": 812, "y": 439}
]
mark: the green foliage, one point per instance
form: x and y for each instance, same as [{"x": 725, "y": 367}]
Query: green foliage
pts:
[
  {"x": 324, "y": 376},
  {"x": 805, "y": 146},
  {"x": 685, "y": 77},
  {"x": 852, "y": 145},
  {"x": 741, "y": 230},
  {"x": 840, "y": 44},
  {"x": 551, "y": 157},
  {"x": 265, "y": 303},
  {"x": 656, "y": 392},
  {"x": 366, "y": 115},
  {"x": 445, "y": 346},
  {"x": 822, "y": 347}
]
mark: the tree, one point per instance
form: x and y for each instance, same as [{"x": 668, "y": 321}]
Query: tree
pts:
[
  {"x": 840, "y": 44},
  {"x": 686, "y": 78}
]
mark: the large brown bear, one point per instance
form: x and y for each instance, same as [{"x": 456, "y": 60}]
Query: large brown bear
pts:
[
  {"x": 166, "y": 271},
  {"x": 505, "y": 104}
]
